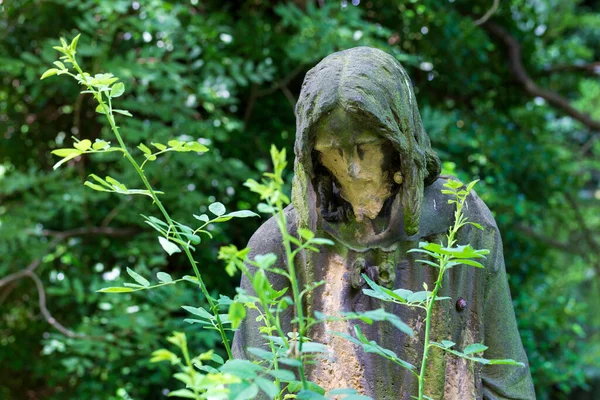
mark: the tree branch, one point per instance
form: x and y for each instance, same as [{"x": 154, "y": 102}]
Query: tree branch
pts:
[
  {"x": 517, "y": 69},
  {"x": 588, "y": 235},
  {"x": 489, "y": 13},
  {"x": 42, "y": 301},
  {"x": 29, "y": 272},
  {"x": 550, "y": 241},
  {"x": 591, "y": 68}
]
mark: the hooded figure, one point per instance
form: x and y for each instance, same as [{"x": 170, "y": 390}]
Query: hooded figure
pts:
[{"x": 367, "y": 178}]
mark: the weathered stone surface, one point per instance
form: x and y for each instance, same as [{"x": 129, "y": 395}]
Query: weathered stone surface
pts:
[{"x": 374, "y": 233}]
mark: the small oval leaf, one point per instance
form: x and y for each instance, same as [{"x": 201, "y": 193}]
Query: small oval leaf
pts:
[
  {"x": 167, "y": 246},
  {"x": 164, "y": 277},
  {"x": 217, "y": 208}
]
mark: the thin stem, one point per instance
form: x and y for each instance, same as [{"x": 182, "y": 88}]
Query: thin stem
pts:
[
  {"x": 190, "y": 368},
  {"x": 458, "y": 222},
  {"x": 282, "y": 223},
  {"x": 109, "y": 115}
]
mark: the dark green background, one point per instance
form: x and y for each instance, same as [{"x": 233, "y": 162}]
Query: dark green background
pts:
[{"x": 229, "y": 72}]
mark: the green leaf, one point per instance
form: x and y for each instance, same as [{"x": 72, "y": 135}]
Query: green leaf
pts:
[
  {"x": 189, "y": 278},
  {"x": 100, "y": 109},
  {"x": 163, "y": 355},
  {"x": 117, "y": 90},
  {"x": 217, "y": 208},
  {"x": 73, "y": 45},
  {"x": 168, "y": 246},
  {"x": 241, "y": 368},
  {"x": 84, "y": 145},
  {"x": 100, "y": 145},
  {"x": 322, "y": 241},
  {"x": 66, "y": 152},
  {"x": 265, "y": 208},
  {"x": 248, "y": 393},
  {"x": 116, "y": 290},
  {"x": 448, "y": 343},
  {"x": 123, "y": 112},
  {"x": 199, "y": 311},
  {"x": 144, "y": 149},
  {"x": 418, "y": 297},
  {"x": 164, "y": 277},
  {"x": 133, "y": 285},
  {"x": 505, "y": 362},
  {"x": 380, "y": 292},
  {"x": 115, "y": 183},
  {"x": 203, "y": 217},
  {"x": 175, "y": 143},
  {"x": 261, "y": 353},
  {"x": 475, "y": 348},
  {"x": 185, "y": 393},
  {"x": 476, "y": 225},
  {"x": 465, "y": 251},
  {"x": 60, "y": 65},
  {"x": 471, "y": 185},
  {"x": 468, "y": 262},
  {"x": 48, "y": 73},
  {"x": 195, "y": 146},
  {"x": 237, "y": 313},
  {"x": 96, "y": 187},
  {"x": 268, "y": 387},
  {"x": 159, "y": 146},
  {"x": 309, "y": 395},
  {"x": 283, "y": 375},
  {"x": 137, "y": 277},
  {"x": 306, "y": 234},
  {"x": 242, "y": 214},
  {"x": 265, "y": 260}
]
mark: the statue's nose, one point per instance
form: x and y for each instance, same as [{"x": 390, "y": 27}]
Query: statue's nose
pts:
[
  {"x": 353, "y": 169},
  {"x": 353, "y": 165}
]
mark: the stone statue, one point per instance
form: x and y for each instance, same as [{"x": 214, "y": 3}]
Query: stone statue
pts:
[{"x": 367, "y": 178}]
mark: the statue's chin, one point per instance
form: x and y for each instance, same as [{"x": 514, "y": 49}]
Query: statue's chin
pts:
[{"x": 371, "y": 212}]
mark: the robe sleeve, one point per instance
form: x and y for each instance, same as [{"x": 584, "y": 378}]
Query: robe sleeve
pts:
[
  {"x": 500, "y": 334},
  {"x": 267, "y": 239}
]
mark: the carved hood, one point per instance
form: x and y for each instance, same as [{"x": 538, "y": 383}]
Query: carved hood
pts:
[{"x": 372, "y": 84}]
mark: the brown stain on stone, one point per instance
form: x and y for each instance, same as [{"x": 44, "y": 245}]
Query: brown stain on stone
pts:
[
  {"x": 341, "y": 368},
  {"x": 460, "y": 376},
  {"x": 460, "y": 383}
]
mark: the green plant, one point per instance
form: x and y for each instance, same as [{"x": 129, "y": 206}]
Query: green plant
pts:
[
  {"x": 445, "y": 256},
  {"x": 174, "y": 236},
  {"x": 242, "y": 378}
]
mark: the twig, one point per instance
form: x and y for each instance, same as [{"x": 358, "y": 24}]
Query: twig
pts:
[
  {"x": 251, "y": 101},
  {"x": 277, "y": 85},
  {"x": 488, "y": 14},
  {"x": 516, "y": 67},
  {"x": 588, "y": 235},
  {"x": 289, "y": 96},
  {"x": 591, "y": 68},
  {"x": 94, "y": 230},
  {"x": 557, "y": 244},
  {"x": 47, "y": 315},
  {"x": 29, "y": 272},
  {"x": 282, "y": 82}
]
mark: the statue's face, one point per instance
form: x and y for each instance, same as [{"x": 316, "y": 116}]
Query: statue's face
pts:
[{"x": 359, "y": 159}]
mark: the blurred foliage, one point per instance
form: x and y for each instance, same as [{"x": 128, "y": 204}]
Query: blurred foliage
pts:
[{"x": 227, "y": 74}]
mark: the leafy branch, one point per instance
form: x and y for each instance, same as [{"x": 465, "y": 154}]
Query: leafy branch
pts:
[{"x": 104, "y": 88}]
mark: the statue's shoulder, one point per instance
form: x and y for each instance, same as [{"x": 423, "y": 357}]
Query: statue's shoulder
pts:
[
  {"x": 267, "y": 237},
  {"x": 436, "y": 210}
]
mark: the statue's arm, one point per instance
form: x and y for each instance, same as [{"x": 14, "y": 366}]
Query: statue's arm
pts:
[
  {"x": 500, "y": 334},
  {"x": 267, "y": 239}
]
